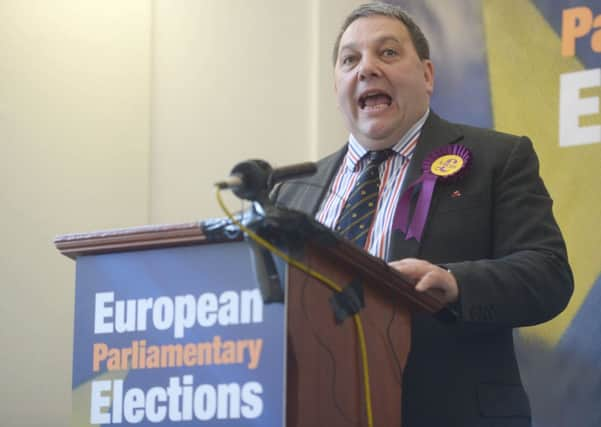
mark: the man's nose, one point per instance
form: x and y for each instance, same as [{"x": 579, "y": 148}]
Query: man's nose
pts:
[{"x": 368, "y": 68}]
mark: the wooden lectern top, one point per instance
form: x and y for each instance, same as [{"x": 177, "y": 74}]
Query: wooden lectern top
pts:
[
  {"x": 131, "y": 239},
  {"x": 371, "y": 268}
]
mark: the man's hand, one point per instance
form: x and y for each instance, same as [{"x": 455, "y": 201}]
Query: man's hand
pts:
[{"x": 428, "y": 277}]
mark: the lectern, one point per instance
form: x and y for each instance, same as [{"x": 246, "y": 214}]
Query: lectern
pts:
[{"x": 176, "y": 325}]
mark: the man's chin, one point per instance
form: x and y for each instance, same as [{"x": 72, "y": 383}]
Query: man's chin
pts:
[{"x": 377, "y": 138}]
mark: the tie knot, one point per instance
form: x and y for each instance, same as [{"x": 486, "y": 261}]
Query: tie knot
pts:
[{"x": 377, "y": 157}]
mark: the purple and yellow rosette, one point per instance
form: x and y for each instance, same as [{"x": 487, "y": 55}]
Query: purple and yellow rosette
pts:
[{"x": 447, "y": 164}]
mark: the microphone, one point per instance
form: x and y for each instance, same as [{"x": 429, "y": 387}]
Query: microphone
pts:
[
  {"x": 254, "y": 176},
  {"x": 293, "y": 171},
  {"x": 252, "y": 179}
]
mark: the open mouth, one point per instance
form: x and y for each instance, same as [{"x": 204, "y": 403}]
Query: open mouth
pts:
[{"x": 374, "y": 100}]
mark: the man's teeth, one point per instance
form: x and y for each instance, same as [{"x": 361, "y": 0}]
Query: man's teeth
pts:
[
  {"x": 375, "y": 107},
  {"x": 375, "y": 102}
]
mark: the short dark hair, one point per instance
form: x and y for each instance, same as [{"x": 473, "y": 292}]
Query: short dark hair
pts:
[{"x": 384, "y": 9}]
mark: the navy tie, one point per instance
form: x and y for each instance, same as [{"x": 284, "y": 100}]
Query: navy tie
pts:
[{"x": 359, "y": 210}]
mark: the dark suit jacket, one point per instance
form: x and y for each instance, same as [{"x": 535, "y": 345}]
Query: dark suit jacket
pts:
[{"x": 500, "y": 240}]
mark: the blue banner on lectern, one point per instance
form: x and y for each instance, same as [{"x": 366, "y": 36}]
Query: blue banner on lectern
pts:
[{"x": 176, "y": 337}]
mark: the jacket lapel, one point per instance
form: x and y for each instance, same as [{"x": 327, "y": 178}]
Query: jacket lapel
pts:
[
  {"x": 436, "y": 133},
  {"x": 308, "y": 193}
]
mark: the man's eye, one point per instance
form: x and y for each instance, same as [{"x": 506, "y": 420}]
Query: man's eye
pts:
[
  {"x": 349, "y": 59},
  {"x": 389, "y": 52}
]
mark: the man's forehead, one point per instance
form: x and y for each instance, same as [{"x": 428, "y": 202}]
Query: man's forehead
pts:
[{"x": 376, "y": 29}]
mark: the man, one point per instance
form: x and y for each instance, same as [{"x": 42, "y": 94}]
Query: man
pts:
[{"x": 489, "y": 245}]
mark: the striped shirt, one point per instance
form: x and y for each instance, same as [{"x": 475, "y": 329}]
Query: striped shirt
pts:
[{"x": 392, "y": 174}]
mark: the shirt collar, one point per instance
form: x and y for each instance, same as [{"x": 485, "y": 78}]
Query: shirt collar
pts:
[{"x": 356, "y": 152}]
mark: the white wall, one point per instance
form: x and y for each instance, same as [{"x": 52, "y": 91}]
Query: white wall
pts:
[
  {"x": 74, "y": 131},
  {"x": 230, "y": 83},
  {"x": 120, "y": 113},
  {"x": 233, "y": 80},
  {"x": 331, "y": 133}
]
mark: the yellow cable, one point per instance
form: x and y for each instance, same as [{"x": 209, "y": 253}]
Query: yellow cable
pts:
[
  {"x": 363, "y": 347},
  {"x": 306, "y": 269}
]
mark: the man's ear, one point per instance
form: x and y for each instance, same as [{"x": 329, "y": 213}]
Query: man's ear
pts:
[{"x": 429, "y": 75}]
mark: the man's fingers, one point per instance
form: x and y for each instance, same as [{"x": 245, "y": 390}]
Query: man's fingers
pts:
[
  {"x": 426, "y": 283},
  {"x": 432, "y": 281},
  {"x": 411, "y": 268},
  {"x": 428, "y": 277},
  {"x": 439, "y": 282}
]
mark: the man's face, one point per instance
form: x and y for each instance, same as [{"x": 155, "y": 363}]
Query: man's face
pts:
[{"x": 381, "y": 85}]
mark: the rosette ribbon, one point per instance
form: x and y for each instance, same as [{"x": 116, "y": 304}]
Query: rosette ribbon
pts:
[{"x": 447, "y": 164}]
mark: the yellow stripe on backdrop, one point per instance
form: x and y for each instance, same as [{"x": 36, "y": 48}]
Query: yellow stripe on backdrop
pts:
[{"x": 525, "y": 63}]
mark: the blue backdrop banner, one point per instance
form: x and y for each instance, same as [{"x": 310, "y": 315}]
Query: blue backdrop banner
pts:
[{"x": 174, "y": 337}]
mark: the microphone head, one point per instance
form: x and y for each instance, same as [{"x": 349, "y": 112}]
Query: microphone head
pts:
[{"x": 254, "y": 176}]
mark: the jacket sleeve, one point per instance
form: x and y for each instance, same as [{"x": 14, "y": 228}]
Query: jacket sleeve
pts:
[{"x": 528, "y": 279}]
